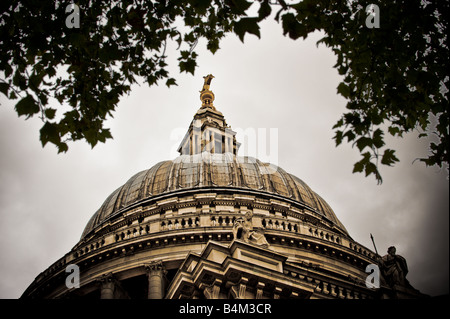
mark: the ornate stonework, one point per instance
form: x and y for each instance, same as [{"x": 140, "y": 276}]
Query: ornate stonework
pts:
[
  {"x": 211, "y": 224},
  {"x": 243, "y": 230},
  {"x": 207, "y": 96}
]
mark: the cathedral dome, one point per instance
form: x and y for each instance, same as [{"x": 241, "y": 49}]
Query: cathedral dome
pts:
[
  {"x": 211, "y": 172},
  {"x": 211, "y": 224}
]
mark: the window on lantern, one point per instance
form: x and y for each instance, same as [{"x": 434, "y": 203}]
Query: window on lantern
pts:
[
  {"x": 186, "y": 149},
  {"x": 229, "y": 145},
  {"x": 207, "y": 137},
  {"x": 217, "y": 143},
  {"x": 196, "y": 145}
]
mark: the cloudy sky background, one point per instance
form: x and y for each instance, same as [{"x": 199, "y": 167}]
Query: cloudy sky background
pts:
[{"x": 47, "y": 199}]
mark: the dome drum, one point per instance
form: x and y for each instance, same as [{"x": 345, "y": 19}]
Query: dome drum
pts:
[
  {"x": 142, "y": 249},
  {"x": 190, "y": 222},
  {"x": 214, "y": 201}
]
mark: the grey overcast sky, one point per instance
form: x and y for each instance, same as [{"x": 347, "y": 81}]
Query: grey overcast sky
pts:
[{"x": 273, "y": 82}]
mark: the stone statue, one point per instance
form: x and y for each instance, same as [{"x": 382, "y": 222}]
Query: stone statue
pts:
[
  {"x": 207, "y": 82},
  {"x": 394, "y": 268},
  {"x": 243, "y": 230}
]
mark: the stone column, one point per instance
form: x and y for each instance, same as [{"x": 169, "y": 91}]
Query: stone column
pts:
[
  {"x": 110, "y": 287},
  {"x": 107, "y": 286},
  {"x": 156, "y": 280}
]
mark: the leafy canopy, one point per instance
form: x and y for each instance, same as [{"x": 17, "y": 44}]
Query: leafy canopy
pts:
[{"x": 394, "y": 77}]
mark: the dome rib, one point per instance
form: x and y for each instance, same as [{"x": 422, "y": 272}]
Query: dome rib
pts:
[
  {"x": 290, "y": 183},
  {"x": 148, "y": 181}
]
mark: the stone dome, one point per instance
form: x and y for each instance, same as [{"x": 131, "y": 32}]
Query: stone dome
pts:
[
  {"x": 212, "y": 224},
  {"x": 211, "y": 172}
]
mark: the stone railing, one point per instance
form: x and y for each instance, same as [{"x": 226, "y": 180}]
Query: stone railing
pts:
[
  {"x": 219, "y": 219},
  {"x": 179, "y": 223},
  {"x": 294, "y": 227},
  {"x": 223, "y": 220}
]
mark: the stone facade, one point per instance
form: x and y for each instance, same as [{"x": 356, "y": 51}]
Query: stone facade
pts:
[{"x": 210, "y": 224}]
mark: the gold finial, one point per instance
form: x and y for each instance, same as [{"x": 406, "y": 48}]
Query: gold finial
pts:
[{"x": 206, "y": 96}]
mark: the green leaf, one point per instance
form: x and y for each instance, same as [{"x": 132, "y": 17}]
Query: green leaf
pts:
[
  {"x": 50, "y": 113},
  {"x": 368, "y": 167},
  {"x": 104, "y": 134},
  {"x": 338, "y": 137},
  {"x": 363, "y": 142},
  {"x": 19, "y": 80},
  {"x": 27, "y": 106},
  {"x": 213, "y": 45},
  {"x": 293, "y": 27},
  {"x": 238, "y": 6},
  {"x": 62, "y": 147},
  {"x": 264, "y": 10},
  {"x": 49, "y": 133},
  {"x": 184, "y": 54},
  {"x": 389, "y": 158},
  {"x": 339, "y": 123},
  {"x": 170, "y": 82},
  {"x": 91, "y": 136},
  {"x": 358, "y": 167},
  {"x": 371, "y": 168},
  {"x": 377, "y": 139},
  {"x": 8, "y": 70},
  {"x": 246, "y": 25},
  {"x": 200, "y": 6},
  {"x": 4, "y": 87},
  {"x": 394, "y": 130},
  {"x": 343, "y": 89},
  {"x": 35, "y": 80},
  {"x": 350, "y": 136},
  {"x": 188, "y": 66},
  {"x": 277, "y": 15}
]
